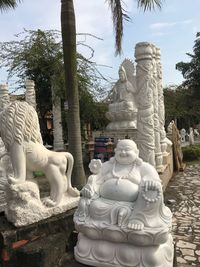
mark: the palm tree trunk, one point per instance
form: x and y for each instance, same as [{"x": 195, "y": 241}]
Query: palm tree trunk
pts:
[{"x": 70, "y": 67}]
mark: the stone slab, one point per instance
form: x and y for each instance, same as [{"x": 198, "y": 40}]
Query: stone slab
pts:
[
  {"x": 167, "y": 173},
  {"x": 56, "y": 231}
]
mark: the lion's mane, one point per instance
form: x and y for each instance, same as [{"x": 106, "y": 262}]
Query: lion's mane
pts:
[{"x": 19, "y": 123}]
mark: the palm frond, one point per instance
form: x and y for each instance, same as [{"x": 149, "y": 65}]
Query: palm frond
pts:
[
  {"x": 7, "y": 4},
  {"x": 149, "y": 4},
  {"x": 119, "y": 14}
]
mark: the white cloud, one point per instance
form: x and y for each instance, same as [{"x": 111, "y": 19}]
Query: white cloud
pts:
[
  {"x": 94, "y": 17},
  {"x": 162, "y": 25}
]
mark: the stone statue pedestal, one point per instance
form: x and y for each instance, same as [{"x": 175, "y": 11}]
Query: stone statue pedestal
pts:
[
  {"x": 36, "y": 245},
  {"x": 25, "y": 207},
  {"x": 168, "y": 168},
  {"x": 108, "y": 254},
  {"x": 123, "y": 134},
  {"x": 121, "y": 120}
]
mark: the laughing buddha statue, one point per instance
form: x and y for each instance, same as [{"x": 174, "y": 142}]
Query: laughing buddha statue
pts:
[{"x": 122, "y": 211}]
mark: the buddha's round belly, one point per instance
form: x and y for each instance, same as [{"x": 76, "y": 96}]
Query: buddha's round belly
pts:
[{"x": 121, "y": 190}]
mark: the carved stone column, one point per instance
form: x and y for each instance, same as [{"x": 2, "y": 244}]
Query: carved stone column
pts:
[
  {"x": 4, "y": 96},
  {"x": 30, "y": 93},
  {"x": 158, "y": 152},
  {"x": 58, "y": 143},
  {"x": 145, "y": 117},
  {"x": 161, "y": 106},
  {"x": 5, "y": 165}
]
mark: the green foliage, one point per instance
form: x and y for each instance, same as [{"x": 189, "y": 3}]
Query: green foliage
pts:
[
  {"x": 38, "y": 174},
  {"x": 191, "y": 70},
  {"x": 38, "y": 55},
  {"x": 35, "y": 55},
  {"x": 182, "y": 106},
  {"x": 190, "y": 88},
  {"x": 191, "y": 153}
]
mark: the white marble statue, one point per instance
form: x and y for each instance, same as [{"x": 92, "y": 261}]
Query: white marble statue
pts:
[
  {"x": 170, "y": 127},
  {"x": 191, "y": 136},
  {"x": 183, "y": 134},
  {"x": 164, "y": 141},
  {"x": 20, "y": 133},
  {"x": 196, "y": 132},
  {"x": 123, "y": 109},
  {"x": 121, "y": 217}
]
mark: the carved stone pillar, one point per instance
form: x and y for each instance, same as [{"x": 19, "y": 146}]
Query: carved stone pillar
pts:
[
  {"x": 145, "y": 117},
  {"x": 30, "y": 93},
  {"x": 5, "y": 165},
  {"x": 161, "y": 106},
  {"x": 158, "y": 152},
  {"x": 4, "y": 96},
  {"x": 58, "y": 143}
]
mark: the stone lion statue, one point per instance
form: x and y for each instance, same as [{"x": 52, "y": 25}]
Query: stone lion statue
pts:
[{"x": 20, "y": 133}]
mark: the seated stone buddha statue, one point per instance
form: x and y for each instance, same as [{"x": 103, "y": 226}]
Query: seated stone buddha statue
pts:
[
  {"x": 122, "y": 209},
  {"x": 122, "y": 111}
]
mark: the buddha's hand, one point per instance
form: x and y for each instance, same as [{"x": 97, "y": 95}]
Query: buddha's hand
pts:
[
  {"x": 87, "y": 191},
  {"x": 147, "y": 193},
  {"x": 152, "y": 185}
]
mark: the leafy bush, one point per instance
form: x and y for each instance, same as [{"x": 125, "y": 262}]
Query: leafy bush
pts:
[
  {"x": 191, "y": 153},
  {"x": 38, "y": 174}
]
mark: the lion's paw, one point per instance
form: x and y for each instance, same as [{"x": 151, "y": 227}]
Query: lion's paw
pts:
[
  {"x": 13, "y": 180},
  {"x": 74, "y": 192},
  {"x": 49, "y": 202}
]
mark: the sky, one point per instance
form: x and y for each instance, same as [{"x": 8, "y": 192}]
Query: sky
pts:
[{"x": 173, "y": 29}]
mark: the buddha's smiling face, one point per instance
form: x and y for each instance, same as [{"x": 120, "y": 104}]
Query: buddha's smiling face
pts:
[{"x": 126, "y": 152}]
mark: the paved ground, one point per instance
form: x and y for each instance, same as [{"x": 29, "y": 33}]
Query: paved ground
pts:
[{"x": 183, "y": 197}]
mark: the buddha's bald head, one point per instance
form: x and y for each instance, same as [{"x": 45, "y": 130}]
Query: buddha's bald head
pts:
[{"x": 126, "y": 151}]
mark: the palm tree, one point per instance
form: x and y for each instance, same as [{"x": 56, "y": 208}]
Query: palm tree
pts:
[
  {"x": 6, "y": 4},
  {"x": 68, "y": 29},
  {"x": 119, "y": 14},
  {"x": 69, "y": 49}
]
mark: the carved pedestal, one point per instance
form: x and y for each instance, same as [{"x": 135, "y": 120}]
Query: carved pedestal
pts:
[
  {"x": 25, "y": 207},
  {"x": 103, "y": 253},
  {"x": 37, "y": 245},
  {"x": 121, "y": 134}
]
